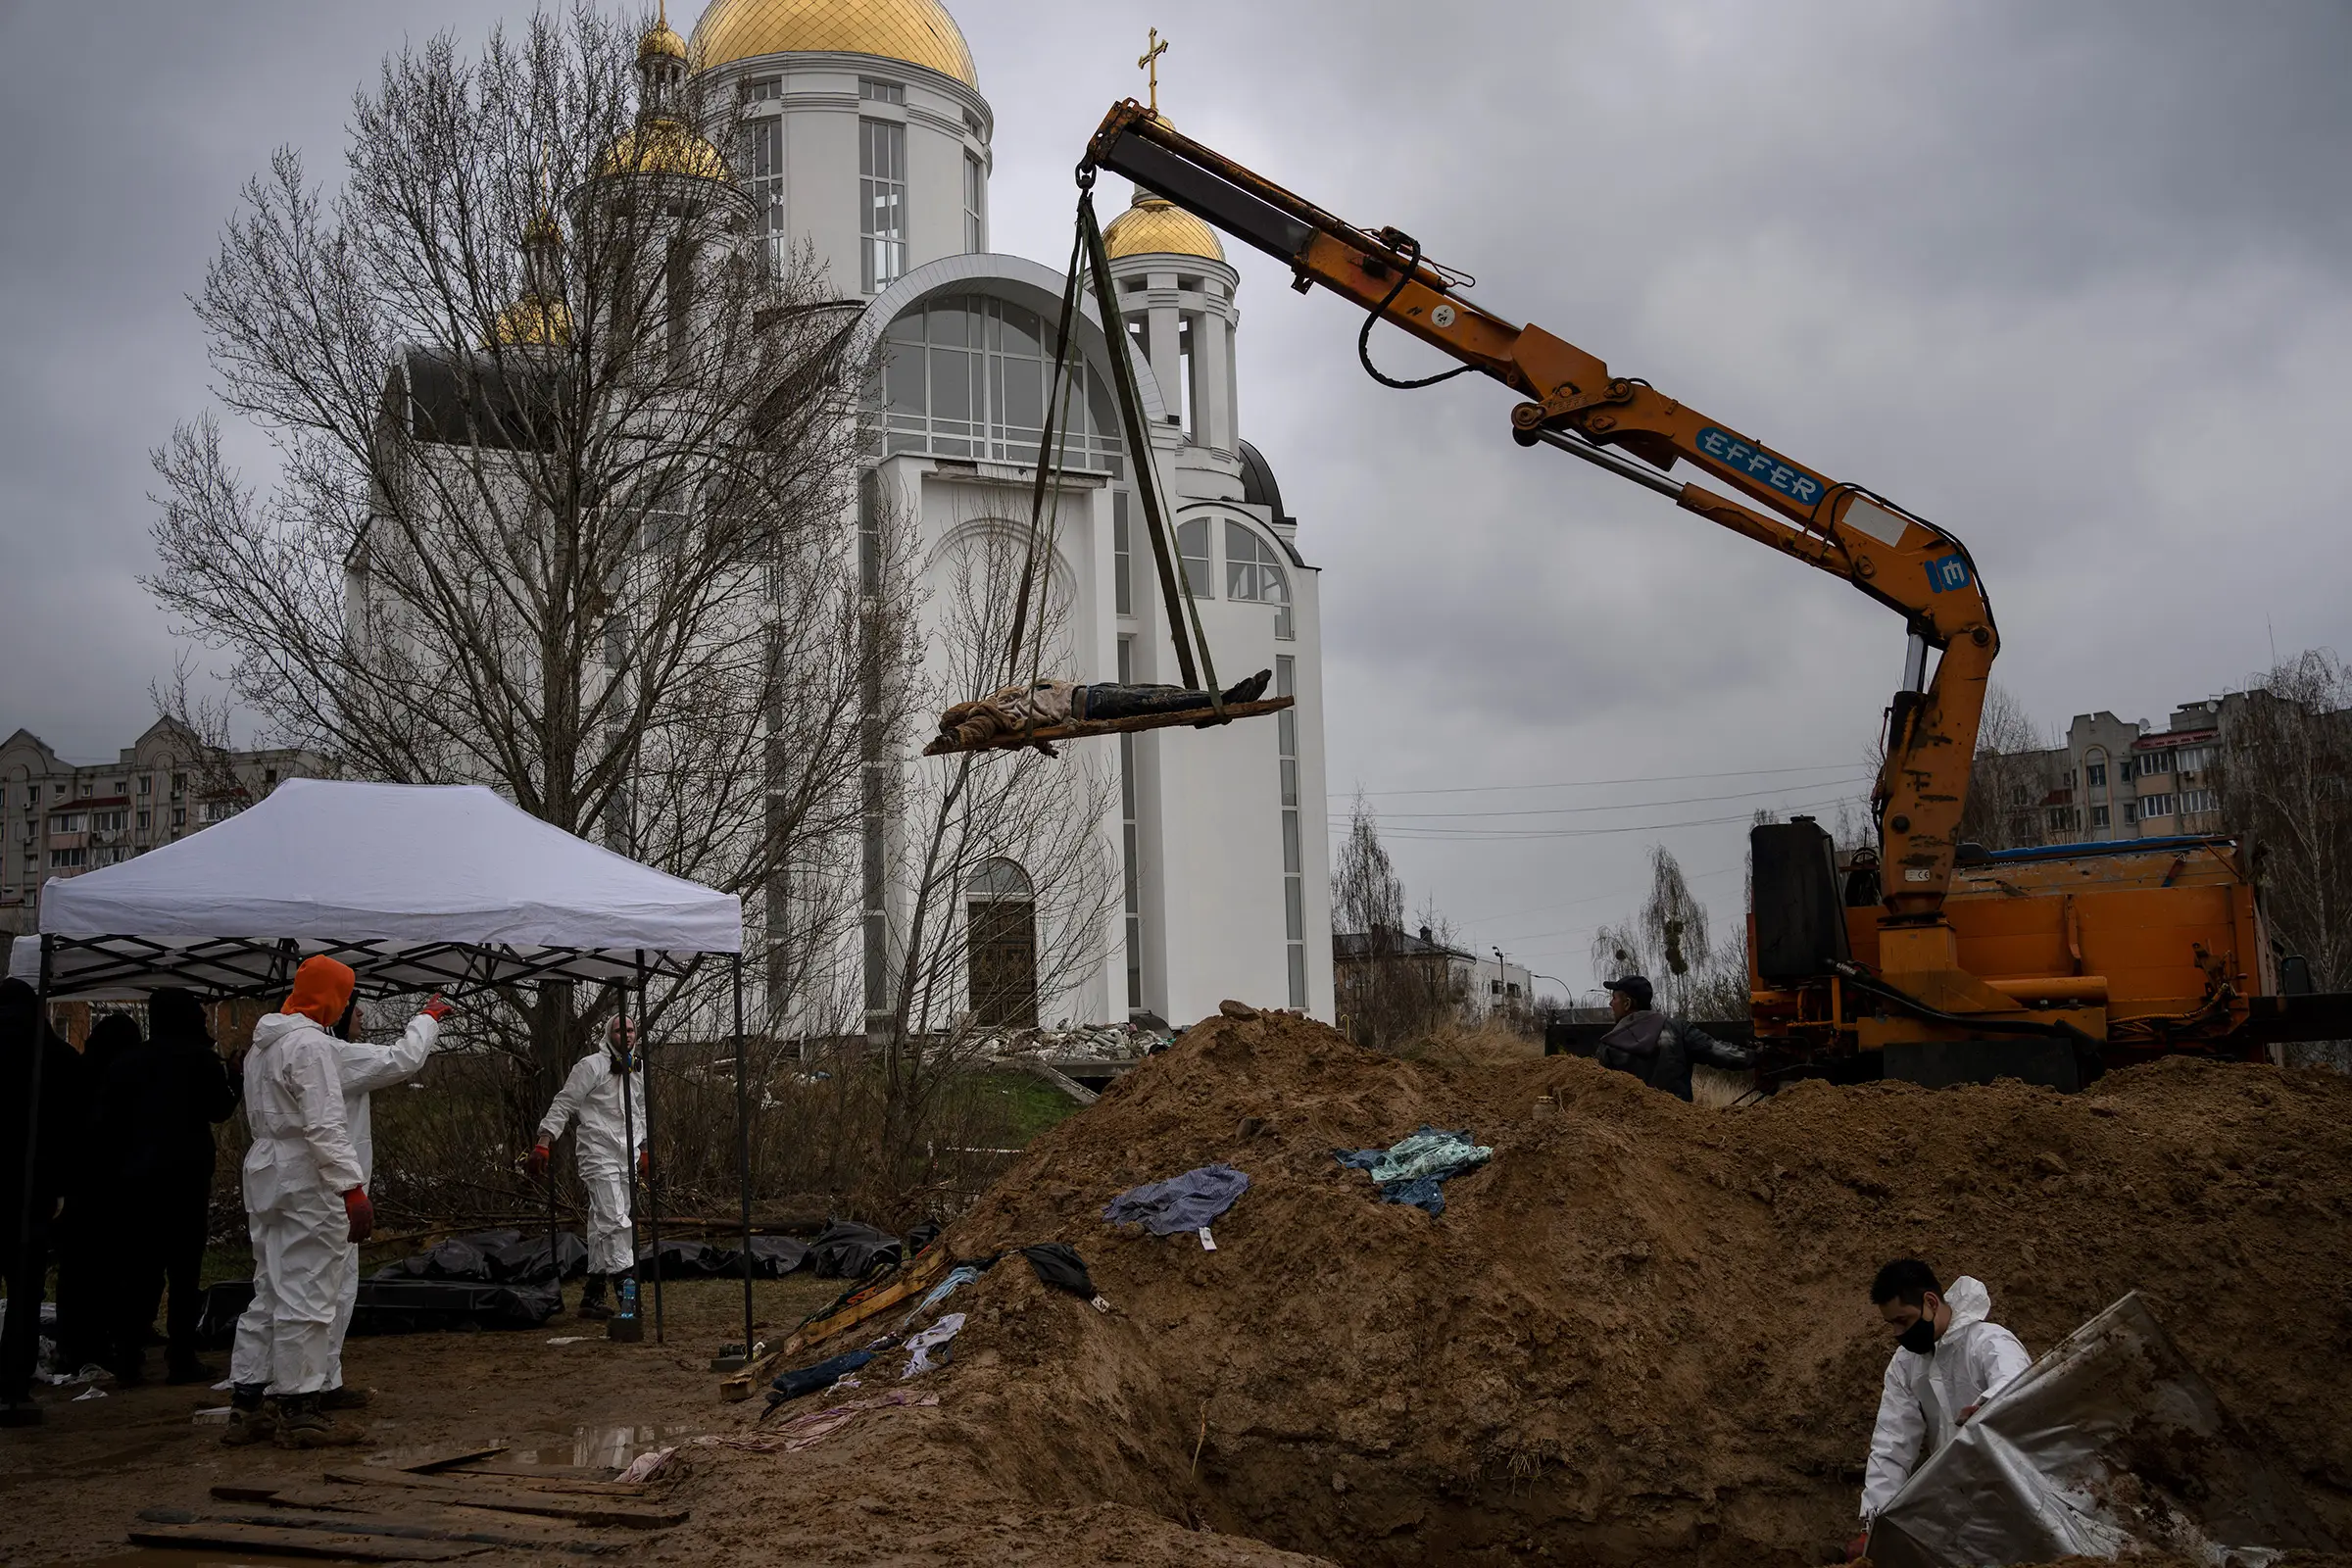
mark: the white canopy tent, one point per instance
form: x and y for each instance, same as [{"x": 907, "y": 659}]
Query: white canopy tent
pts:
[{"x": 416, "y": 887}]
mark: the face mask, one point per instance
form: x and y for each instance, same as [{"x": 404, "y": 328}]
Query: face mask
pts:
[{"x": 1919, "y": 1338}]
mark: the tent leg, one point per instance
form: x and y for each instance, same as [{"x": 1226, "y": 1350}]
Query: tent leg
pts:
[
  {"x": 653, "y": 1171},
  {"x": 555, "y": 1256},
  {"x": 743, "y": 1159},
  {"x": 26, "y": 1285}
]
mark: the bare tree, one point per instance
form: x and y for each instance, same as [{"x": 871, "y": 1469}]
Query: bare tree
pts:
[
  {"x": 2014, "y": 774},
  {"x": 1392, "y": 987},
  {"x": 563, "y": 455},
  {"x": 2284, "y": 777}
]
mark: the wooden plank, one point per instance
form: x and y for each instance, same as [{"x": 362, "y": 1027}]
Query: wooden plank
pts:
[
  {"x": 303, "y": 1542},
  {"x": 551, "y": 1472},
  {"x": 525, "y": 1535},
  {"x": 918, "y": 1276},
  {"x": 1082, "y": 728},
  {"x": 454, "y": 1456},
  {"x": 546, "y": 1504},
  {"x": 493, "y": 1482}
]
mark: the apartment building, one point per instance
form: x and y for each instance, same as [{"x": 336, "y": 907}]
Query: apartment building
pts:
[
  {"x": 2113, "y": 779},
  {"x": 61, "y": 818}
]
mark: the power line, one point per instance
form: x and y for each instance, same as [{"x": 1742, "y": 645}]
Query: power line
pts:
[
  {"x": 1622, "y": 806},
  {"x": 1593, "y": 783},
  {"x": 1480, "y": 835}
]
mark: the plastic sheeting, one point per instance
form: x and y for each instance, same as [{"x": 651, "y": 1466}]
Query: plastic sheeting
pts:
[{"x": 2109, "y": 1444}]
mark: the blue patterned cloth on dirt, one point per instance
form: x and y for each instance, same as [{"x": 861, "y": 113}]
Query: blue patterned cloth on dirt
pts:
[{"x": 1412, "y": 1169}]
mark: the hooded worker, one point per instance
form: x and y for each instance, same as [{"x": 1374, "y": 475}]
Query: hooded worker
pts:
[
  {"x": 92, "y": 1279},
  {"x": 27, "y": 1217},
  {"x": 606, "y": 1091},
  {"x": 162, "y": 1098},
  {"x": 306, "y": 1202},
  {"x": 1948, "y": 1360},
  {"x": 362, "y": 1068}
]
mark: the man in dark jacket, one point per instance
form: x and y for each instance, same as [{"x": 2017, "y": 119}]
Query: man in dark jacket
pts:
[
  {"x": 164, "y": 1100},
  {"x": 1654, "y": 1047},
  {"x": 24, "y": 1250}
]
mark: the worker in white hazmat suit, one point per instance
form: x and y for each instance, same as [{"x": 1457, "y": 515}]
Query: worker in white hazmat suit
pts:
[
  {"x": 306, "y": 1203},
  {"x": 1948, "y": 1360},
  {"x": 612, "y": 1141},
  {"x": 363, "y": 1068}
]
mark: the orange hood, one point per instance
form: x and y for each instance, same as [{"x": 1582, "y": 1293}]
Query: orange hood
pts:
[{"x": 323, "y": 989}]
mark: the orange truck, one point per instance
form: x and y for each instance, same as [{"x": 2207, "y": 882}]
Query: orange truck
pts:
[{"x": 1946, "y": 964}]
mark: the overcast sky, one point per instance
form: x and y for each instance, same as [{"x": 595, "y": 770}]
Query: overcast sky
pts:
[{"x": 2070, "y": 279}]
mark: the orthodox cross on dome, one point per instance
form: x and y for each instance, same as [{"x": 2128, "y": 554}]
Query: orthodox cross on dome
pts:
[{"x": 1148, "y": 60}]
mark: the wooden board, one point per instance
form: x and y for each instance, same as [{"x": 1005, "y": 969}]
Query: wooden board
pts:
[
  {"x": 918, "y": 1276},
  {"x": 454, "y": 1456},
  {"x": 1080, "y": 729},
  {"x": 525, "y": 1535},
  {"x": 546, "y": 1504},
  {"x": 516, "y": 1468},
  {"x": 302, "y": 1543}
]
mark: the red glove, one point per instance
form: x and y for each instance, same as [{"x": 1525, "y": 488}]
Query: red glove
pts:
[
  {"x": 537, "y": 1163},
  {"x": 645, "y": 1163},
  {"x": 1856, "y": 1548},
  {"x": 437, "y": 1008},
  {"x": 361, "y": 1212}
]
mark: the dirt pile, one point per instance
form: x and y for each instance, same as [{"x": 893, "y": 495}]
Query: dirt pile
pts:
[{"x": 1640, "y": 1330}]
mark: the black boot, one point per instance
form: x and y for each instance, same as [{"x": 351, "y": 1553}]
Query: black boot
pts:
[
  {"x": 250, "y": 1418},
  {"x": 592, "y": 1298}
]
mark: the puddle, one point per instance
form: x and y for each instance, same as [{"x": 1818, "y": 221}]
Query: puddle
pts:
[{"x": 597, "y": 1446}]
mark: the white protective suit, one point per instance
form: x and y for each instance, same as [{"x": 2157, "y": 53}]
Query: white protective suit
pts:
[
  {"x": 365, "y": 1068},
  {"x": 1923, "y": 1396},
  {"x": 606, "y": 1151},
  {"x": 297, "y": 1170}
]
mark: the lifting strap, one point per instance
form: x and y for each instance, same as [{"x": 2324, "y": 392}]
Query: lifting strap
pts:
[{"x": 1087, "y": 257}]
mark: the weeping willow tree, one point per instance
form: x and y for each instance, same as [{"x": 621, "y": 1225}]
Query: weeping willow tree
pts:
[{"x": 1670, "y": 942}]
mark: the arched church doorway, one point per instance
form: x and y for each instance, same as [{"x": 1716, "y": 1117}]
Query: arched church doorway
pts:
[{"x": 1001, "y": 934}]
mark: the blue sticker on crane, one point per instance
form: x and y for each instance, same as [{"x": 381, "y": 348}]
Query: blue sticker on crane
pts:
[
  {"x": 1775, "y": 472},
  {"x": 1947, "y": 574}
]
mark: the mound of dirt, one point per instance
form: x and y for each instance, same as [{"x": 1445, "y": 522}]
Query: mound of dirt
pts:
[{"x": 1641, "y": 1330}]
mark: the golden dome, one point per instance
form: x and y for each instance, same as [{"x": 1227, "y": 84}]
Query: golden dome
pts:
[
  {"x": 917, "y": 31},
  {"x": 542, "y": 230},
  {"x": 1152, "y": 227},
  {"x": 662, "y": 147},
  {"x": 533, "y": 320},
  {"x": 661, "y": 39}
]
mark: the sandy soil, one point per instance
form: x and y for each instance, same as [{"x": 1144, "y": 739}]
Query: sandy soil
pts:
[{"x": 1639, "y": 1335}]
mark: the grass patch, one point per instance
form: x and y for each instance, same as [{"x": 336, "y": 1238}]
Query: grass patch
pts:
[{"x": 1029, "y": 1103}]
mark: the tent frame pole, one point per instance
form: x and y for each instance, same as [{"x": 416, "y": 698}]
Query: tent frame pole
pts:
[
  {"x": 653, "y": 1168},
  {"x": 743, "y": 1159}
]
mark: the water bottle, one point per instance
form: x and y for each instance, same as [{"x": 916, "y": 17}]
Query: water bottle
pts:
[
  {"x": 628, "y": 1297},
  {"x": 625, "y": 1324}
]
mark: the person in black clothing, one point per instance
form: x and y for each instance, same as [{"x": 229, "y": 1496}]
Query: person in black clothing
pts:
[
  {"x": 1654, "y": 1047},
  {"x": 162, "y": 1101},
  {"x": 90, "y": 1230},
  {"x": 24, "y": 1248}
]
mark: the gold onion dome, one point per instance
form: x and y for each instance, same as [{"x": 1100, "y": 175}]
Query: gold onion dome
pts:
[
  {"x": 919, "y": 32},
  {"x": 542, "y": 230},
  {"x": 534, "y": 321},
  {"x": 1154, "y": 226},
  {"x": 661, "y": 39},
  {"x": 662, "y": 147}
]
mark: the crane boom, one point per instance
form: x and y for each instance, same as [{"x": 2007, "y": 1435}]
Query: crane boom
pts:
[{"x": 1571, "y": 401}]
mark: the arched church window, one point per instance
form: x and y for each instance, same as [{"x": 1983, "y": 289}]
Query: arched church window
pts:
[
  {"x": 1192, "y": 548},
  {"x": 1001, "y": 938},
  {"x": 1254, "y": 575},
  {"x": 964, "y": 376}
]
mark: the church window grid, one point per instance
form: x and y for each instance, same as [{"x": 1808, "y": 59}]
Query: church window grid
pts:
[
  {"x": 1192, "y": 548},
  {"x": 975, "y": 206},
  {"x": 882, "y": 202},
  {"x": 878, "y": 90},
  {"x": 1294, "y": 869},
  {"x": 1254, "y": 575},
  {"x": 1122, "y": 558},
  {"x": 964, "y": 376},
  {"x": 763, "y": 181},
  {"x": 1131, "y": 840}
]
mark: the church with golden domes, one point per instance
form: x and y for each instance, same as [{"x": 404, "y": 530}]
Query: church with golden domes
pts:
[{"x": 857, "y": 132}]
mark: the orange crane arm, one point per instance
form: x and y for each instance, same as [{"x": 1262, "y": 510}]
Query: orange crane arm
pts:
[{"x": 1628, "y": 426}]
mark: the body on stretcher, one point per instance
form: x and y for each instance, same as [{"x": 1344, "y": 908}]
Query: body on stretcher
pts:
[{"x": 1046, "y": 711}]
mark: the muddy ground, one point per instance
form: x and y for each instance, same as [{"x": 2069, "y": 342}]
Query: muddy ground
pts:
[{"x": 1640, "y": 1334}]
